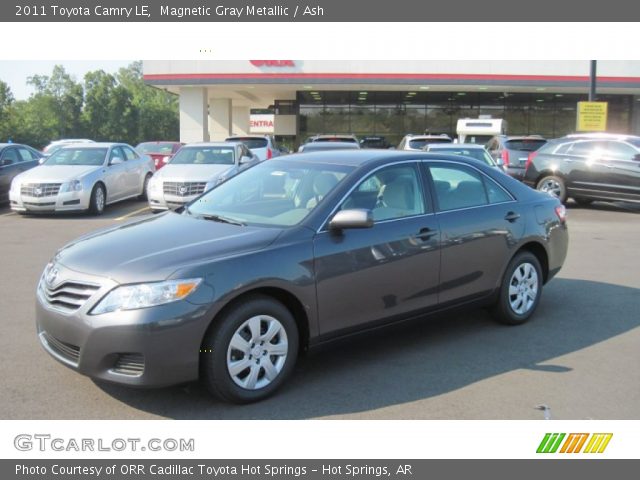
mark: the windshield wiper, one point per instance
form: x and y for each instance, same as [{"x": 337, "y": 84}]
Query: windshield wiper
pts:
[{"x": 221, "y": 219}]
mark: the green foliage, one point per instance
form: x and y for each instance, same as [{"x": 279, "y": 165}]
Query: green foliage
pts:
[{"x": 105, "y": 107}]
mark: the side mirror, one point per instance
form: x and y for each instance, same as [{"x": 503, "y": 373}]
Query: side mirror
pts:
[
  {"x": 354, "y": 218},
  {"x": 6, "y": 162},
  {"x": 116, "y": 161},
  {"x": 245, "y": 159}
]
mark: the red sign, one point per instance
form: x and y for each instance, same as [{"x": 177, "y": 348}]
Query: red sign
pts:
[{"x": 272, "y": 63}]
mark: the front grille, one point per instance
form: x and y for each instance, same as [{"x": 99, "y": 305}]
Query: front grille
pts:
[
  {"x": 38, "y": 190},
  {"x": 44, "y": 204},
  {"x": 65, "y": 350},
  {"x": 183, "y": 189},
  {"x": 69, "y": 296},
  {"x": 129, "y": 364}
]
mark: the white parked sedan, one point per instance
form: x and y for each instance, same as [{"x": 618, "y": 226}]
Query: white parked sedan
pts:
[
  {"x": 85, "y": 176},
  {"x": 196, "y": 168}
]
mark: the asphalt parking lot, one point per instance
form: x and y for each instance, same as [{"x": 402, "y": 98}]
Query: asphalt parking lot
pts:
[{"x": 579, "y": 355}]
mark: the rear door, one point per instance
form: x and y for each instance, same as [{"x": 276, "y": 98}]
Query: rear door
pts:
[
  {"x": 115, "y": 176},
  {"x": 391, "y": 269},
  {"x": 625, "y": 169},
  {"x": 135, "y": 170},
  {"x": 586, "y": 164},
  {"x": 479, "y": 221}
]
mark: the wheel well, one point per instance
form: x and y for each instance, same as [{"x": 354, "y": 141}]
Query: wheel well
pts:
[
  {"x": 289, "y": 300},
  {"x": 541, "y": 254},
  {"x": 100, "y": 182}
]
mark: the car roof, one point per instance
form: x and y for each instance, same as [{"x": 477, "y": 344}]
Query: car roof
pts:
[
  {"x": 94, "y": 145},
  {"x": 603, "y": 135},
  {"x": 417, "y": 136},
  {"x": 248, "y": 136},
  {"x": 211, "y": 144},
  {"x": 436, "y": 146}
]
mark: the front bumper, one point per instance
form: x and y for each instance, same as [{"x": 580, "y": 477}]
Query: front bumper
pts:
[
  {"x": 163, "y": 201},
  {"x": 62, "y": 202},
  {"x": 150, "y": 347}
]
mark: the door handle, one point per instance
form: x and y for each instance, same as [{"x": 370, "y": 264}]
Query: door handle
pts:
[
  {"x": 512, "y": 217},
  {"x": 426, "y": 233}
]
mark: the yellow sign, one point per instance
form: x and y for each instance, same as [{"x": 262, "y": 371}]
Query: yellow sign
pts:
[{"x": 592, "y": 117}]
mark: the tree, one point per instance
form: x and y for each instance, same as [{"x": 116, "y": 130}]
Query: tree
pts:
[{"x": 6, "y": 102}]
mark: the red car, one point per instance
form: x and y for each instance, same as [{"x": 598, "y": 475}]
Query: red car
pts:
[{"x": 161, "y": 152}]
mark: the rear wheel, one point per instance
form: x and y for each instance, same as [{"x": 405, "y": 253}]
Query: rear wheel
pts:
[
  {"x": 98, "y": 199},
  {"x": 250, "y": 351},
  {"x": 520, "y": 290},
  {"x": 554, "y": 186}
]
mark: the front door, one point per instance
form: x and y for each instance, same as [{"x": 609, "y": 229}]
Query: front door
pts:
[{"x": 391, "y": 269}]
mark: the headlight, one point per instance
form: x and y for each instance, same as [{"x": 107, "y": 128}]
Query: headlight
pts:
[
  {"x": 153, "y": 185},
  {"x": 72, "y": 186},
  {"x": 143, "y": 295}
]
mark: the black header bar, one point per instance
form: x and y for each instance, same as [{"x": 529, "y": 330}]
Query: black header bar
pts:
[{"x": 325, "y": 11}]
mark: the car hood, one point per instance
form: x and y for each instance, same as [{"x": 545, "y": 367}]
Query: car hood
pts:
[
  {"x": 192, "y": 173},
  {"x": 154, "y": 247},
  {"x": 56, "y": 173}
]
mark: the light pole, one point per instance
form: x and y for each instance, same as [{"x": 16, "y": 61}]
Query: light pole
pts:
[{"x": 592, "y": 81}]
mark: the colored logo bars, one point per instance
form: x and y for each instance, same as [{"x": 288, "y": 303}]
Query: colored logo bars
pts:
[{"x": 595, "y": 443}]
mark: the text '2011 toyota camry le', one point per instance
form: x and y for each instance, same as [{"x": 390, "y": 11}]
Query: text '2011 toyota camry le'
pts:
[{"x": 289, "y": 254}]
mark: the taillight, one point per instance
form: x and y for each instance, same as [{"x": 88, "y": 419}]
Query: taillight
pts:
[
  {"x": 530, "y": 158},
  {"x": 561, "y": 213},
  {"x": 269, "y": 153},
  {"x": 505, "y": 157}
]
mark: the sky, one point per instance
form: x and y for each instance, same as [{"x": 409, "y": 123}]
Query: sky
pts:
[{"x": 15, "y": 73}]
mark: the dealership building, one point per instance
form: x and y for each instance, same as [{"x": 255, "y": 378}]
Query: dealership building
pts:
[{"x": 294, "y": 99}]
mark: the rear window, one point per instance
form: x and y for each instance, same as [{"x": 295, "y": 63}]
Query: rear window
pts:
[
  {"x": 250, "y": 142},
  {"x": 336, "y": 139},
  {"x": 525, "y": 144}
]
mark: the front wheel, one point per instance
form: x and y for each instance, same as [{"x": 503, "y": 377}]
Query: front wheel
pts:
[
  {"x": 554, "y": 186},
  {"x": 98, "y": 199},
  {"x": 250, "y": 351},
  {"x": 145, "y": 187},
  {"x": 520, "y": 290}
]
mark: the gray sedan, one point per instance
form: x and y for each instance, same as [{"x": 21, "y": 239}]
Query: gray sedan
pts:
[
  {"x": 292, "y": 253},
  {"x": 84, "y": 177}
]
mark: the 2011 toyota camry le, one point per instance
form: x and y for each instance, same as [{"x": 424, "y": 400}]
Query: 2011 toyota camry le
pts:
[{"x": 292, "y": 253}]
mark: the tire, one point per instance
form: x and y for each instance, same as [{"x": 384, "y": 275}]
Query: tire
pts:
[
  {"x": 518, "y": 299},
  {"x": 98, "y": 199},
  {"x": 583, "y": 202},
  {"x": 235, "y": 366},
  {"x": 554, "y": 186},
  {"x": 145, "y": 185}
]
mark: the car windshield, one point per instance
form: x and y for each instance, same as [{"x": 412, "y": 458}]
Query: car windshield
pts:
[
  {"x": 77, "y": 156},
  {"x": 250, "y": 142},
  {"x": 155, "y": 147},
  {"x": 204, "y": 156},
  {"x": 274, "y": 193},
  {"x": 525, "y": 144},
  {"x": 477, "y": 153}
]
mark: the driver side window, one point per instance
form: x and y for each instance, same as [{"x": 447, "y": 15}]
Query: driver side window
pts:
[
  {"x": 390, "y": 193},
  {"x": 116, "y": 153}
]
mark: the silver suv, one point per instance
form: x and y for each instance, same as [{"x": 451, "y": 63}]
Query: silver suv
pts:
[
  {"x": 418, "y": 142},
  {"x": 263, "y": 146}
]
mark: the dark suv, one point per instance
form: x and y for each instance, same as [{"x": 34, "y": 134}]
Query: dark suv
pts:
[
  {"x": 512, "y": 152},
  {"x": 588, "y": 167}
]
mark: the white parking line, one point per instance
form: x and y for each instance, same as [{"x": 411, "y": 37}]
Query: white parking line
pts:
[{"x": 131, "y": 214}]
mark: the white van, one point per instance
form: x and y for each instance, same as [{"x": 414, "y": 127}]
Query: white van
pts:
[{"x": 480, "y": 130}]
